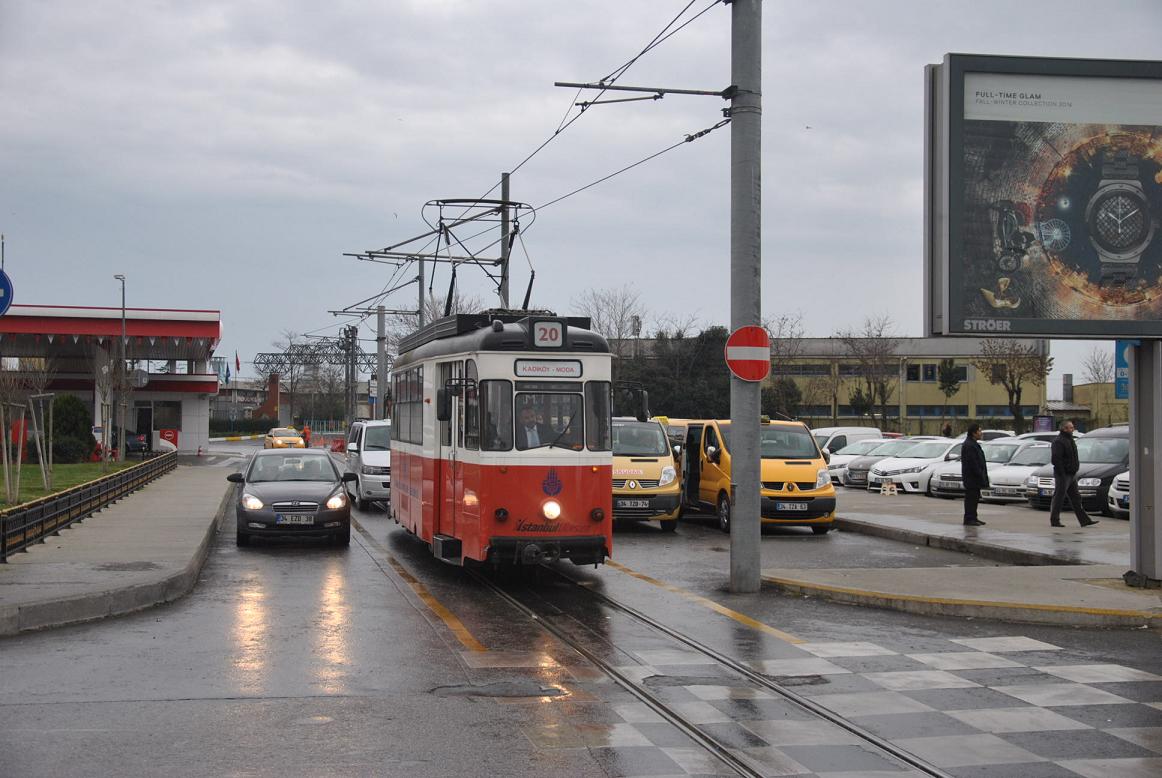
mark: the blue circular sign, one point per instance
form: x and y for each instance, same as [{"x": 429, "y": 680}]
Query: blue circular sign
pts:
[{"x": 5, "y": 292}]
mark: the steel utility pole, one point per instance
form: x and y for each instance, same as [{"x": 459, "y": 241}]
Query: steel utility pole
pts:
[
  {"x": 745, "y": 290},
  {"x": 380, "y": 361},
  {"x": 420, "y": 278},
  {"x": 504, "y": 241}
]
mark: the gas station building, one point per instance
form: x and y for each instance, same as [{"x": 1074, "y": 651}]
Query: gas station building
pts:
[{"x": 169, "y": 378}]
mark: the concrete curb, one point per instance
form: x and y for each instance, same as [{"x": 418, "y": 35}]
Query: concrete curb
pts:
[
  {"x": 1003, "y": 554},
  {"x": 1059, "y": 615},
  {"x": 116, "y": 602},
  {"x": 233, "y": 438}
]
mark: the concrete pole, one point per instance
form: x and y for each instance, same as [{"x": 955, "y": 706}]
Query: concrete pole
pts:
[
  {"x": 745, "y": 290},
  {"x": 1145, "y": 480},
  {"x": 504, "y": 230},
  {"x": 380, "y": 362}
]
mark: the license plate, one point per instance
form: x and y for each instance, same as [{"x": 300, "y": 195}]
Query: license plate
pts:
[
  {"x": 1006, "y": 490},
  {"x": 855, "y": 477},
  {"x": 293, "y": 519},
  {"x": 633, "y": 503},
  {"x": 875, "y": 479},
  {"x": 1045, "y": 492},
  {"x": 790, "y": 506},
  {"x": 1124, "y": 502}
]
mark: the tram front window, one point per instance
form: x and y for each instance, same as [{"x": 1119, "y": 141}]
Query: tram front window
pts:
[{"x": 545, "y": 419}]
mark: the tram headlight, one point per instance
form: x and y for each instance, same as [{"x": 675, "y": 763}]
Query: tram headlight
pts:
[
  {"x": 251, "y": 503},
  {"x": 551, "y": 509},
  {"x": 668, "y": 476}
]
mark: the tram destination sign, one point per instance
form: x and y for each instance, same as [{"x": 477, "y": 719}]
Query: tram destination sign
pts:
[
  {"x": 1043, "y": 197},
  {"x": 548, "y": 368}
]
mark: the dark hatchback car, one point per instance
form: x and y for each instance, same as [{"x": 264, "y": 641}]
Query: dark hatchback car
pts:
[
  {"x": 1104, "y": 454},
  {"x": 293, "y": 493}
]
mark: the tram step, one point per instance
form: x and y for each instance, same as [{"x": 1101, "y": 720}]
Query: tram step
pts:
[{"x": 447, "y": 548}]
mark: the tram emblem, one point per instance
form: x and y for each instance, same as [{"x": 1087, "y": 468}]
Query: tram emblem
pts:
[{"x": 552, "y": 485}]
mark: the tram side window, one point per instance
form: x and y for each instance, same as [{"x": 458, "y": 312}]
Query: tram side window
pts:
[
  {"x": 416, "y": 391},
  {"x": 470, "y": 420},
  {"x": 598, "y": 416},
  {"x": 407, "y": 411},
  {"x": 496, "y": 398}
]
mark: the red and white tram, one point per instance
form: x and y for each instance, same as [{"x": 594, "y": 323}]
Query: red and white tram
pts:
[{"x": 502, "y": 439}]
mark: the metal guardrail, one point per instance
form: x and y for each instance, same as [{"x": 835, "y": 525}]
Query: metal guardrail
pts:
[{"x": 23, "y": 525}]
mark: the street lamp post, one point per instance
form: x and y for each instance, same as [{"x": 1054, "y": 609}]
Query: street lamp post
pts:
[{"x": 121, "y": 384}]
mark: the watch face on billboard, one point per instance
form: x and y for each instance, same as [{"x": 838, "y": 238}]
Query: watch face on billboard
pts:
[{"x": 1054, "y": 186}]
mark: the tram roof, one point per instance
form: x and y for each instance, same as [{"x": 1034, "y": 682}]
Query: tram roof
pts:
[{"x": 493, "y": 331}]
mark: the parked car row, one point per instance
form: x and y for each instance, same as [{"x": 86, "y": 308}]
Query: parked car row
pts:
[{"x": 1020, "y": 468}]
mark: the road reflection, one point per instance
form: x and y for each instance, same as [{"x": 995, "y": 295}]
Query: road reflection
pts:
[
  {"x": 332, "y": 647},
  {"x": 252, "y": 636}
]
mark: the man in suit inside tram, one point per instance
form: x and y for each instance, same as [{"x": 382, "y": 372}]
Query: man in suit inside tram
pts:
[{"x": 530, "y": 431}]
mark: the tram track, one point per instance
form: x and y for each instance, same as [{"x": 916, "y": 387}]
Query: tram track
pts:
[{"x": 556, "y": 625}]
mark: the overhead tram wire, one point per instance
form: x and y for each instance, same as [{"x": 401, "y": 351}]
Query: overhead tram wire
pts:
[
  {"x": 617, "y": 73},
  {"x": 688, "y": 139}
]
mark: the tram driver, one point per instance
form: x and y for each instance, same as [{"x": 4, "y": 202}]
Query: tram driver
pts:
[{"x": 531, "y": 432}]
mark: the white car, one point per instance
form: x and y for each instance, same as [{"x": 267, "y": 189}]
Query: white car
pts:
[
  {"x": 912, "y": 468},
  {"x": 838, "y": 464},
  {"x": 1007, "y": 482},
  {"x": 368, "y": 456},
  {"x": 1119, "y": 496},
  {"x": 947, "y": 479}
]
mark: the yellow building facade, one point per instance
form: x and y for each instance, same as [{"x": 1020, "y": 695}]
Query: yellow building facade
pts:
[{"x": 827, "y": 374}]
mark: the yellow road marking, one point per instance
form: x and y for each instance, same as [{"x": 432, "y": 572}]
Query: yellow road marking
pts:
[
  {"x": 435, "y": 606},
  {"x": 706, "y": 602},
  {"x": 807, "y": 587}
]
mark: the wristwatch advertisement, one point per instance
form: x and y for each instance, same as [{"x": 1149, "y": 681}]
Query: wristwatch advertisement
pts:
[{"x": 1119, "y": 220}]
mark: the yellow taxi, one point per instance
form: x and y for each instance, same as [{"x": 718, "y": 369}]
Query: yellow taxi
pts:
[
  {"x": 796, "y": 487},
  {"x": 647, "y": 482},
  {"x": 283, "y": 437}
]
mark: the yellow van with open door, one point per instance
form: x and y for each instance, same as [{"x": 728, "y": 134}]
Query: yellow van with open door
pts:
[
  {"x": 796, "y": 487},
  {"x": 647, "y": 482}
]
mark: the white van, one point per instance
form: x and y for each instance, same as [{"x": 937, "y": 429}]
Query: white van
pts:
[
  {"x": 369, "y": 458},
  {"x": 831, "y": 439}
]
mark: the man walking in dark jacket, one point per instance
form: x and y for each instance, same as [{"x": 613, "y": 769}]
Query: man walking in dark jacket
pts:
[
  {"x": 974, "y": 470},
  {"x": 1065, "y": 467}
]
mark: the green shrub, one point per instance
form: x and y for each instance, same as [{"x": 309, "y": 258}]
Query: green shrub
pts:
[
  {"x": 70, "y": 450},
  {"x": 72, "y": 418}
]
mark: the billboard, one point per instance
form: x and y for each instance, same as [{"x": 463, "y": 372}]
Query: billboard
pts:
[{"x": 1044, "y": 197}]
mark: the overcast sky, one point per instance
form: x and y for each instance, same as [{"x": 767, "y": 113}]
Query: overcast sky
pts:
[{"x": 224, "y": 155}]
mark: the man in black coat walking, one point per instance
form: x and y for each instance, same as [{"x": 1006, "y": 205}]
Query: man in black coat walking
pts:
[
  {"x": 1065, "y": 467},
  {"x": 974, "y": 470}
]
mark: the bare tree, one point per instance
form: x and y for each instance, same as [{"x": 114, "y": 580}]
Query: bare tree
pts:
[
  {"x": 873, "y": 347},
  {"x": 618, "y": 314},
  {"x": 1013, "y": 364},
  {"x": 400, "y": 325},
  {"x": 786, "y": 333},
  {"x": 291, "y": 378},
  {"x": 1098, "y": 366}
]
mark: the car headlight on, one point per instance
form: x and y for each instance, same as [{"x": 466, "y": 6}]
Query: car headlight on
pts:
[
  {"x": 551, "y": 509},
  {"x": 337, "y": 501},
  {"x": 668, "y": 476},
  {"x": 251, "y": 503},
  {"x": 1089, "y": 482},
  {"x": 823, "y": 478}
]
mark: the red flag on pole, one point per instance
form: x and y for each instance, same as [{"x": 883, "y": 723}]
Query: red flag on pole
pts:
[{"x": 237, "y": 364}]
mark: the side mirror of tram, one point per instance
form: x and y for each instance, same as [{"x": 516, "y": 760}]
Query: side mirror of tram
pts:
[{"x": 443, "y": 405}]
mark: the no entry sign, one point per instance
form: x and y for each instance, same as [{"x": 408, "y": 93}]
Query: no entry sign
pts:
[{"x": 748, "y": 353}]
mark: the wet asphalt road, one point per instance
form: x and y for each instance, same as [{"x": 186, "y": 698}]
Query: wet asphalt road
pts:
[{"x": 304, "y": 659}]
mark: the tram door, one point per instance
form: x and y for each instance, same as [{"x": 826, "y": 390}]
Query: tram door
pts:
[{"x": 447, "y": 473}]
